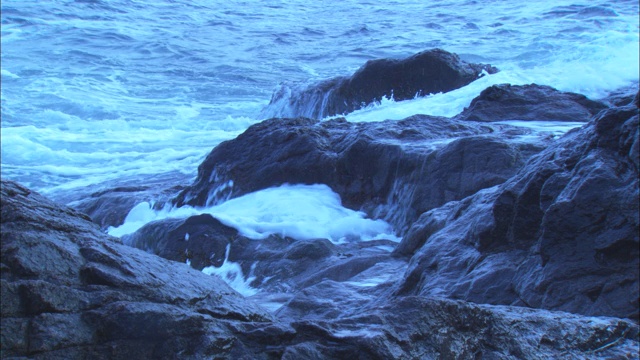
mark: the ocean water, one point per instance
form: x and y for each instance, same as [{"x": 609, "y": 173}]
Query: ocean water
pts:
[{"x": 98, "y": 90}]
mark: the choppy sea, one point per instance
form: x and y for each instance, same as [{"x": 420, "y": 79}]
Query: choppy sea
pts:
[{"x": 94, "y": 90}]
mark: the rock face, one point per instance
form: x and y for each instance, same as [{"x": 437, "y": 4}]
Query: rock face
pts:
[
  {"x": 562, "y": 234},
  {"x": 202, "y": 240},
  {"x": 421, "y": 162},
  {"x": 427, "y": 72},
  {"x": 529, "y": 102},
  {"x": 435, "y": 328},
  {"x": 71, "y": 292},
  {"x": 418, "y": 164}
]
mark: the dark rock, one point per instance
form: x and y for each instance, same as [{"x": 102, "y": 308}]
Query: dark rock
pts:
[
  {"x": 417, "y": 165},
  {"x": 622, "y": 97},
  {"x": 419, "y": 328},
  {"x": 314, "y": 249},
  {"x": 71, "y": 291},
  {"x": 275, "y": 264},
  {"x": 562, "y": 234},
  {"x": 135, "y": 305},
  {"x": 201, "y": 239},
  {"x": 529, "y": 102},
  {"x": 427, "y": 72}
]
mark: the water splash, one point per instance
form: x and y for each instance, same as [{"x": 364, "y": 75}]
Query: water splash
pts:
[{"x": 231, "y": 273}]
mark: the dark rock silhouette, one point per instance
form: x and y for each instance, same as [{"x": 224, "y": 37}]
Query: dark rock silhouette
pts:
[
  {"x": 201, "y": 239},
  {"x": 427, "y": 72}
]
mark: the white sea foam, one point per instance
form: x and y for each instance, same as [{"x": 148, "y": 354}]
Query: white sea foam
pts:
[
  {"x": 359, "y": 333},
  {"x": 297, "y": 211},
  {"x": 231, "y": 273}
]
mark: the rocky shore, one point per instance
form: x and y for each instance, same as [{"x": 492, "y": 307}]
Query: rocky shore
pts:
[{"x": 516, "y": 243}]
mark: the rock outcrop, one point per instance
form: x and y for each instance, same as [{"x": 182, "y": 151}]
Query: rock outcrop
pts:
[
  {"x": 72, "y": 292},
  {"x": 562, "y": 234},
  {"x": 427, "y": 72},
  {"x": 542, "y": 234},
  {"x": 529, "y": 102},
  {"x": 392, "y": 169}
]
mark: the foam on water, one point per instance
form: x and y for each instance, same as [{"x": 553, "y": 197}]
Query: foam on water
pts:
[
  {"x": 298, "y": 211},
  {"x": 73, "y": 152}
]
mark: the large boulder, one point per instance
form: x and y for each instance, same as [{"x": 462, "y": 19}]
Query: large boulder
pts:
[
  {"x": 529, "y": 102},
  {"x": 391, "y": 169},
  {"x": 562, "y": 234},
  {"x": 427, "y": 72}
]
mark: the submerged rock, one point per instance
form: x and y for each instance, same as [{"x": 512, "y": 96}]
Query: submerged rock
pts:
[
  {"x": 529, "y": 102},
  {"x": 427, "y": 72},
  {"x": 562, "y": 234}
]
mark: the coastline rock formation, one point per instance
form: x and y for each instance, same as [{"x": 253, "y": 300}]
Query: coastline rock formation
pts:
[
  {"x": 427, "y": 72},
  {"x": 515, "y": 244},
  {"x": 422, "y": 162},
  {"x": 561, "y": 234},
  {"x": 449, "y": 159},
  {"x": 72, "y": 292}
]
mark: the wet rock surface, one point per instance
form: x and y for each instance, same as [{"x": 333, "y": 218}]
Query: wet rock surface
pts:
[
  {"x": 275, "y": 264},
  {"x": 71, "y": 292},
  {"x": 531, "y": 102},
  {"x": 420, "y": 162},
  {"x": 515, "y": 244},
  {"x": 109, "y": 203},
  {"x": 561, "y": 234},
  {"x": 427, "y": 72}
]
